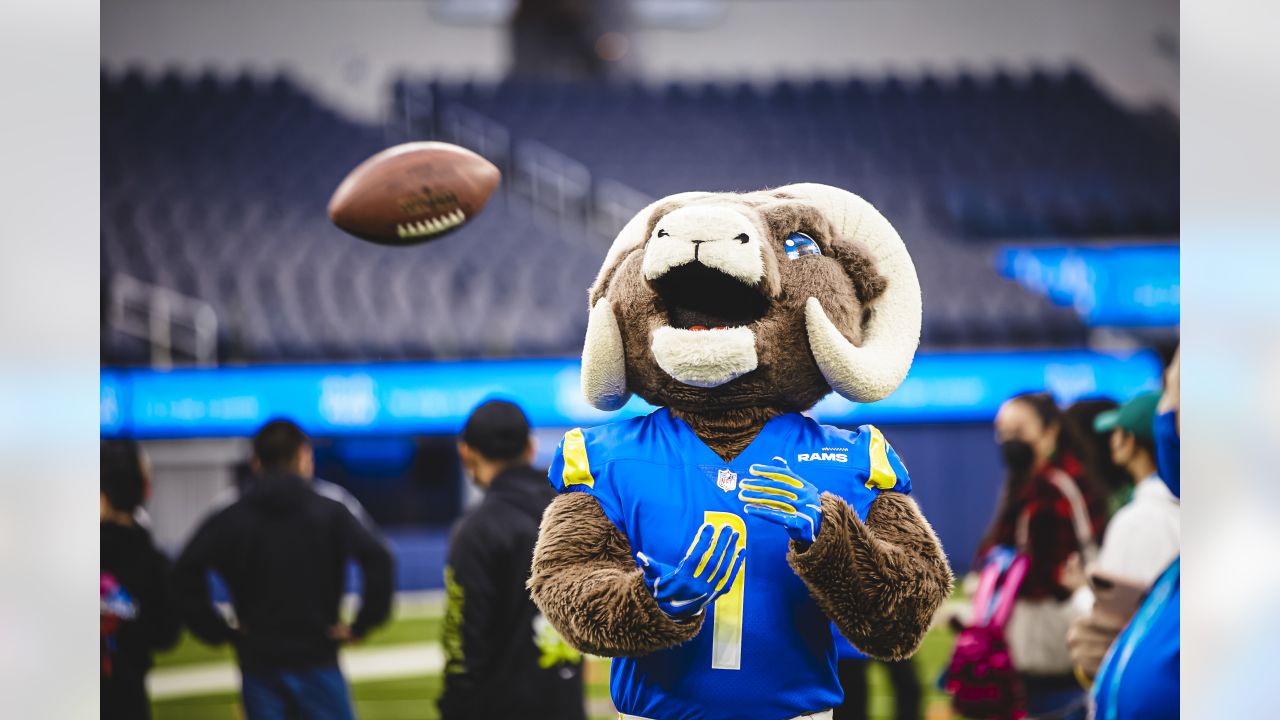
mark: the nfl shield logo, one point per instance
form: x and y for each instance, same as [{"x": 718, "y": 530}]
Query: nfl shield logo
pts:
[{"x": 727, "y": 480}]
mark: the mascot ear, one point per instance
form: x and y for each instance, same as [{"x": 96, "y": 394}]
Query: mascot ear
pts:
[
  {"x": 875, "y": 369},
  {"x": 604, "y": 366}
]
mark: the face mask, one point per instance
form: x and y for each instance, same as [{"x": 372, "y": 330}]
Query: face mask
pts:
[
  {"x": 1168, "y": 451},
  {"x": 1017, "y": 455}
]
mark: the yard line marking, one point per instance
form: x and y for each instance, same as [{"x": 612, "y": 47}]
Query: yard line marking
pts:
[{"x": 358, "y": 664}]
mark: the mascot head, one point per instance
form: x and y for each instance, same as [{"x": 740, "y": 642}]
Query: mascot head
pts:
[{"x": 712, "y": 301}]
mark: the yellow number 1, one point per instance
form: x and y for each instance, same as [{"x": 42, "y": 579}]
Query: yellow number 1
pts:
[{"x": 726, "y": 636}]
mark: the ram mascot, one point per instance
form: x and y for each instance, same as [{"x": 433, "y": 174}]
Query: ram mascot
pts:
[{"x": 710, "y": 546}]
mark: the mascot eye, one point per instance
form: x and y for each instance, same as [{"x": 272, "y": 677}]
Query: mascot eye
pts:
[
  {"x": 799, "y": 245},
  {"x": 662, "y": 233}
]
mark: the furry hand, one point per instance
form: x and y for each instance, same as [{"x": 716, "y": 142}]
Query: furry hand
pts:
[
  {"x": 780, "y": 496},
  {"x": 703, "y": 574}
]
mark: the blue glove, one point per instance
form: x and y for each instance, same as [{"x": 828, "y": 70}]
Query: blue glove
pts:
[
  {"x": 780, "y": 496},
  {"x": 704, "y": 573}
]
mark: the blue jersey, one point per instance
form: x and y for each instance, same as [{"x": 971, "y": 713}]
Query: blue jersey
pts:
[
  {"x": 766, "y": 649},
  {"x": 845, "y": 649},
  {"x": 1139, "y": 677}
]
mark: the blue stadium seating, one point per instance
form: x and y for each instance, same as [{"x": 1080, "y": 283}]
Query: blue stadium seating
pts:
[
  {"x": 1044, "y": 154},
  {"x": 217, "y": 188}
]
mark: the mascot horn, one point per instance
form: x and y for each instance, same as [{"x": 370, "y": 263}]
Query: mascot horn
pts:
[{"x": 711, "y": 545}]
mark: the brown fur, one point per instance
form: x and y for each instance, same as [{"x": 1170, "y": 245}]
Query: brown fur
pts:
[
  {"x": 880, "y": 582},
  {"x": 588, "y": 586},
  {"x": 729, "y": 432}
]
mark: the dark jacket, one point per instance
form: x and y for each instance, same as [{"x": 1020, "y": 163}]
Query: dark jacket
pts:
[
  {"x": 282, "y": 550},
  {"x": 502, "y": 659},
  {"x": 137, "y": 617}
]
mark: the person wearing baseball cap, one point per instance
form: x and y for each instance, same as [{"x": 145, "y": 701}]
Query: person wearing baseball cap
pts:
[
  {"x": 1143, "y": 537},
  {"x": 1134, "y": 662},
  {"x": 502, "y": 658}
]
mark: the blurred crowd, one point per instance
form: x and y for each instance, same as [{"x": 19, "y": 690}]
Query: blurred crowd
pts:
[
  {"x": 1075, "y": 610},
  {"x": 1074, "y": 596},
  {"x": 280, "y": 545}
]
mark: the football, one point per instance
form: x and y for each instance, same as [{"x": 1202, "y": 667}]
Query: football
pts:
[{"x": 413, "y": 193}]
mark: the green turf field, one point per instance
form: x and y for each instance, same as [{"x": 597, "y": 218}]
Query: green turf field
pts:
[{"x": 413, "y": 698}]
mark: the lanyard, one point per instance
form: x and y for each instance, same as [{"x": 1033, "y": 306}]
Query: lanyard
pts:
[{"x": 1137, "y": 630}]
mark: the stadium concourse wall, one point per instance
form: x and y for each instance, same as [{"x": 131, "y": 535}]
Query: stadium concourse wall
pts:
[
  {"x": 348, "y": 51},
  {"x": 385, "y": 431}
]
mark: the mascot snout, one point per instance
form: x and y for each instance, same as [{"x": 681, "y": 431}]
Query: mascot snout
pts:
[{"x": 720, "y": 238}]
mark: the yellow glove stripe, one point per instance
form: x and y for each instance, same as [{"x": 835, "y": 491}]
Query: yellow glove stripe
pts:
[
  {"x": 577, "y": 471},
  {"x": 704, "y": 569},
  {"x": 787, "y": 479},
  {"x": 882, "y": 474},
  {"x": 772, "y": 491},
  {"x": 731, "y": 560},
  {"x": 706, "y": 556},
  {"x": 702, "y": 561},
  {"x": 778, "y": 504}
]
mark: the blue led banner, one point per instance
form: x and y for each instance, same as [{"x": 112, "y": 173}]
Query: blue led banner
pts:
[
  {"x": 1132, "y": 286},
  {"x": 428, "y": 398}
]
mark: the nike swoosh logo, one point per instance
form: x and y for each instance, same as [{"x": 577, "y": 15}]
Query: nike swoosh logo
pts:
[{"x": 682, "y": 603}]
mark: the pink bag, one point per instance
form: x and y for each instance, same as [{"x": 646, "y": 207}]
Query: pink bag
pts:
[{"x": 980, "y": 677}]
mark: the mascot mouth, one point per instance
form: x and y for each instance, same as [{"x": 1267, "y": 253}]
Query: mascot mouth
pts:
[
  {"x": 698, "y": 297},
  {"x": 707, "y": 341}
]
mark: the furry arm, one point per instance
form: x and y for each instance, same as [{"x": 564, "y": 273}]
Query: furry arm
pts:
[
  {"x": 879, "y": 582},
  {"x": 589, "y": 588}
]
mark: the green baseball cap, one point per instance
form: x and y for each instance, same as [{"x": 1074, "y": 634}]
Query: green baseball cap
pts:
[{"x": 1136, "y": 416}]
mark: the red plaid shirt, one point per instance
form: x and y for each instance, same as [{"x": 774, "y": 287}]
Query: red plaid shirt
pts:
[{"x": 1051, "y": 532}]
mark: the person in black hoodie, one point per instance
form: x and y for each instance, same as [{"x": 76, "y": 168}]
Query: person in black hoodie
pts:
[
  {"x": 282, "y": 550},
  {"x": 502, "y": 658},
  {"x": 136, "y": 609}
]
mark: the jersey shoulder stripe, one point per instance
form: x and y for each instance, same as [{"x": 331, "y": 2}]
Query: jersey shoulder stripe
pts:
[
  {"x": 584, "y": 452},
  {"x": 577, "y": 467},
  {"x": 870, "y": 456},
  {"x": 882, "y": 474}
]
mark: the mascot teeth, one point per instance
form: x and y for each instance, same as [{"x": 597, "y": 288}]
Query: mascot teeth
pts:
[{"x": 705, "y": 358}]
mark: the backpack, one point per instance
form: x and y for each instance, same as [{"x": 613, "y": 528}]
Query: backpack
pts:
[{"x": 980, "y": 676}]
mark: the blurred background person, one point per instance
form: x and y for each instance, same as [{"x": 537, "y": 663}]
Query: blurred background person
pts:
[
  {"x": 852, "y": 668},
  {"x": 1136, "y": 666},
  {"x": 1050, "y": 510},
  {"x": 1096, "y": 450},
  {"x": 502, "y": 659},
  {"x": 569, "y": 39},
  {"x": 138, "y": 616},
  {"x": 283, "y": 550},
  {"x": 244, "y": 473},
  {"x": 1143, "y": 536}
]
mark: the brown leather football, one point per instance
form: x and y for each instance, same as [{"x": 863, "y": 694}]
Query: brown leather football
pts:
[{"x": 413, "y": 193}]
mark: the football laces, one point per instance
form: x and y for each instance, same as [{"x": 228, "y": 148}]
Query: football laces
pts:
[{"x": 431, "y": 226}]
